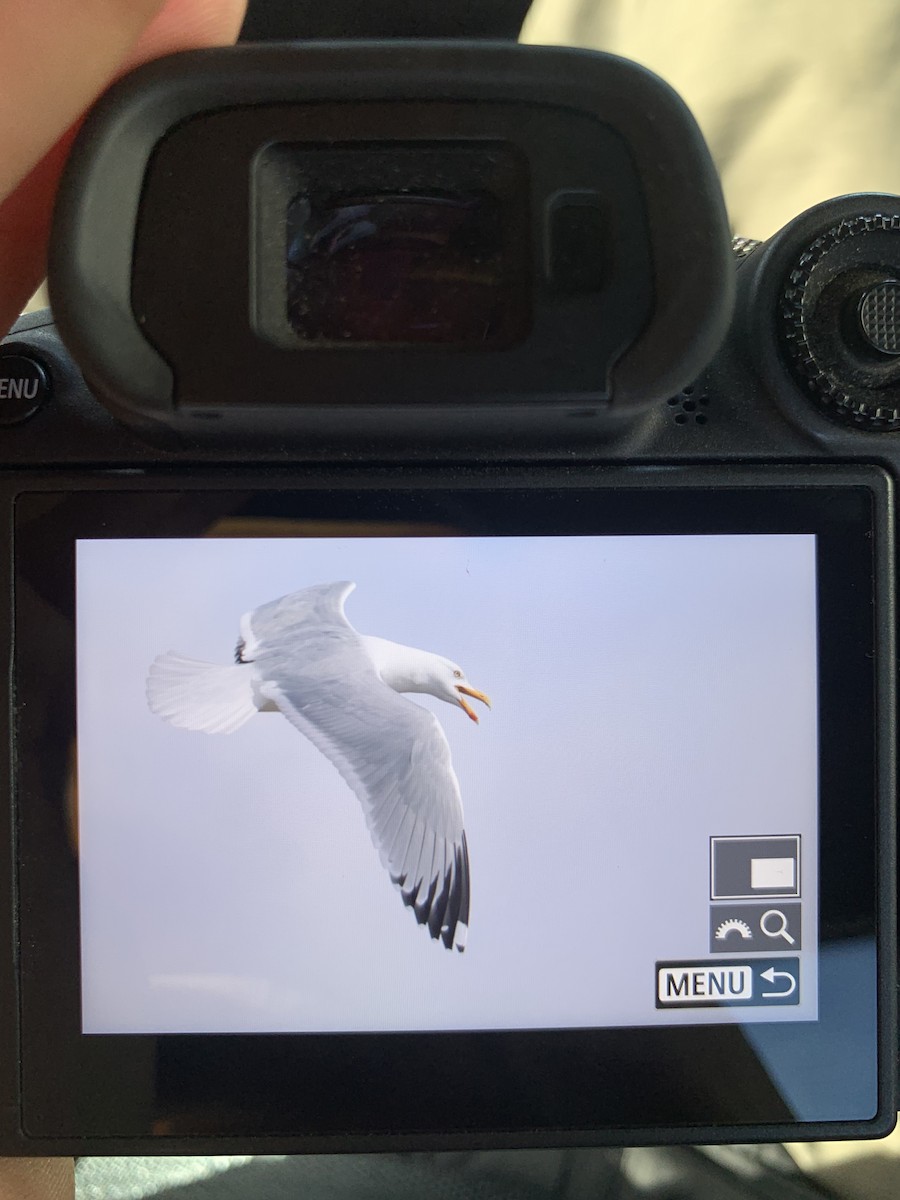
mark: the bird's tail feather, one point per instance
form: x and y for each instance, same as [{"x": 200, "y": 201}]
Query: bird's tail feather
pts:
[{"x": 199, "y": 695}]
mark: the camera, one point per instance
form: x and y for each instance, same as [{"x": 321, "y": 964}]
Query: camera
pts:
[{"x": 383, "y": 383}]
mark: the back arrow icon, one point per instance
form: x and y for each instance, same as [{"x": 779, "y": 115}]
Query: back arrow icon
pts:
[{"x": 771, "y": 975}]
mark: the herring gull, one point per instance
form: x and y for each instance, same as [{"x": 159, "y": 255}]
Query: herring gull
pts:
[{"x": 300, "y": 656}]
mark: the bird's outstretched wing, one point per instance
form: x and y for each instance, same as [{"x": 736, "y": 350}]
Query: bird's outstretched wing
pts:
[{"x": 311, "y": 663}]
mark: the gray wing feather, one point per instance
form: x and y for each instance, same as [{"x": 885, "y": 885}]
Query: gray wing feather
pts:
[{"x": 392, "y": 753}]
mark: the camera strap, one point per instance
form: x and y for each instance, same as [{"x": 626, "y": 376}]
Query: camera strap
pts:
[{"x": 289, "y": 20}]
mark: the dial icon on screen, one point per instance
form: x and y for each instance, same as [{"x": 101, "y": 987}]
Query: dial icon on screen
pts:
[{"x": 741, "y": 928}]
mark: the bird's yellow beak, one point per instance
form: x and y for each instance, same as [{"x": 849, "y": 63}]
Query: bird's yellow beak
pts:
[{"x": 467, "y": 708}]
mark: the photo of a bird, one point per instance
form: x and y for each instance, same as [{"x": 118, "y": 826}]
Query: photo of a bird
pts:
[{"x": 299, "y": 655}]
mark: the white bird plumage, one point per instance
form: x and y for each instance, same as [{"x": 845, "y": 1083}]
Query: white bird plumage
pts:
[{"x": 300, "y": 656}]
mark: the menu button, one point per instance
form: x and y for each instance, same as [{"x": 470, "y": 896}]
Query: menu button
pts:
[{"x": 24, "y": 386}]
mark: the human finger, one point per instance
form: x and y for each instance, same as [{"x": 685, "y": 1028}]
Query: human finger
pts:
[
  {"x": 25, "y": 213},
  {"x": 55, "y": 56},
  {"x": 37, "y": 1179}
]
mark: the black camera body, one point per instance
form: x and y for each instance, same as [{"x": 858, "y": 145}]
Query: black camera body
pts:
[{"x": 381, "y": 295}]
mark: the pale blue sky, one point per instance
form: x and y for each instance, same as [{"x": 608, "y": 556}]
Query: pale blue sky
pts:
[{"x": 648, "y": 692}]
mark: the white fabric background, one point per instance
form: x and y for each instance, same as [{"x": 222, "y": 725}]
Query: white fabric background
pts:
[{"x": 798, "y": 99}]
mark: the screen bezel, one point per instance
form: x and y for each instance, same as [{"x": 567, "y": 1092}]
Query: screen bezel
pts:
[{"x": 504, "y": 1088}]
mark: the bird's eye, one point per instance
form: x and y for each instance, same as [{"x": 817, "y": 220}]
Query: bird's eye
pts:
[{"x": 457, "y": 674}]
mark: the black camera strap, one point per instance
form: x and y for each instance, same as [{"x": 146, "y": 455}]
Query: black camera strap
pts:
[{"x": 287, "y": 20}]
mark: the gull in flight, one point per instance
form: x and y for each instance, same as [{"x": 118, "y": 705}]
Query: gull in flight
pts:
[{"x": 300, "y": 656}]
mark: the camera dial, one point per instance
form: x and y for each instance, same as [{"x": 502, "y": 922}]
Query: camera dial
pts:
[{"x": 840, "y": 321}]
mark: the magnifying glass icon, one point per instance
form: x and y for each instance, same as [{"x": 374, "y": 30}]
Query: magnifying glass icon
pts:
[{"x": 777, "y": 927}]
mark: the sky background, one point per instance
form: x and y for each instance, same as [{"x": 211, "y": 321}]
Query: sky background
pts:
[{"x": 648, "y": 693}]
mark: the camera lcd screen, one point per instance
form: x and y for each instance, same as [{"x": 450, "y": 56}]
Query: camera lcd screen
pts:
[
  {"x": 263, "y": 838},
  {"x": 627, "y": 836}
]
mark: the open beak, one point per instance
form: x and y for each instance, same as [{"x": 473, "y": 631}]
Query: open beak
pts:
[{"x": 470, "y": 712}]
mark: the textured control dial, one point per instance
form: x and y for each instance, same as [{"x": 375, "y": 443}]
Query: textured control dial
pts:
[{"x": 840, "y": 321}]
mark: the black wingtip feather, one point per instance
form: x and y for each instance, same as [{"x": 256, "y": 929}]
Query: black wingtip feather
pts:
[
  {"x": 437, "y": 918},
  {"x": 423, "y": 910},
  {"x": 446, "y": 909}
]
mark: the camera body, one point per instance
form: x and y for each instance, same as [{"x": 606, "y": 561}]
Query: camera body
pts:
[{"x": 465, "y": 292}]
